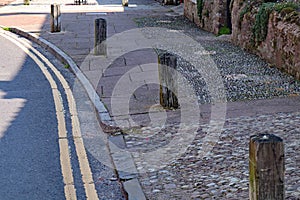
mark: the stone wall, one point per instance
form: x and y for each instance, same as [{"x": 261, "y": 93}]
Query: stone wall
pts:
[
  {"x": 280, "y": 47},
  {"x": 214, "y": 14}
]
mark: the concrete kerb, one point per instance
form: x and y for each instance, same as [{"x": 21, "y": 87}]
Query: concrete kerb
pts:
[{"x": 131, "y": 185}]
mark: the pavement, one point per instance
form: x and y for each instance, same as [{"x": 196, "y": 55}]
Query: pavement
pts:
[{"x": 124, "y": 87}]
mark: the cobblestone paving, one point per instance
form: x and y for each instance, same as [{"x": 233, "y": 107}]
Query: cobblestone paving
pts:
[{"x": 222, "y": 173}]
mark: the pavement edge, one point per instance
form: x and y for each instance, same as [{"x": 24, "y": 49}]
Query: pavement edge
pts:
[{"x": 120, "y": 158}]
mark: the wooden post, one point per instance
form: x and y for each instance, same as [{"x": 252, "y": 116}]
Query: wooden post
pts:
[
  {"x": 168, "y": 2},
  {"x": 168, "y": 80},
  {"x": 80, "y": 2},
  {"x": 55, "y": 18},
  {"x": 266, "y": 163},
  {"x": 125, "y": 2},
  {"x": 171, "y": 2},
  {"x": 100, "y": 37}
]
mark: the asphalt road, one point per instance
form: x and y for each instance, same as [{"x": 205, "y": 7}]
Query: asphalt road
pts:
[
  {"x": 39, "y": 156},
  {"x": 29, "y": 151}
]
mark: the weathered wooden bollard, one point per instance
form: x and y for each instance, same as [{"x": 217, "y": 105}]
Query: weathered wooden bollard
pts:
[
  {"x": 100, "y": 37},
  {"x": 266, "y": 163},
  {"x": 55, "y": 18},
  {"x": 124, "y": 2},
  {"x": 168, "y": 80},
  {"x": 172, "y": 2},
  {"x": 80, "y": 2},
  {"x": 26, "y": 2}
]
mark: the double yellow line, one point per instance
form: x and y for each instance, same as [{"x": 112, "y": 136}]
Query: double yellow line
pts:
[{"x": 66, "y": 167}]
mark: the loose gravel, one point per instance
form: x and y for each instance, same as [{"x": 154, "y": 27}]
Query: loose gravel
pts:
[{"x": 245, "y": 76}]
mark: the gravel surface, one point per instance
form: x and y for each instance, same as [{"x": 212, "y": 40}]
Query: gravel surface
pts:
[{"x": 245, "y": 76}]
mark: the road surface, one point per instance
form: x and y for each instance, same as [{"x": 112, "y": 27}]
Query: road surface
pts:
[{"x": 42, "y": 152}]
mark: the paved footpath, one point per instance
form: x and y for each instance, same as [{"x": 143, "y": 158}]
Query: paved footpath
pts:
[{"x": 171, "y": 164}]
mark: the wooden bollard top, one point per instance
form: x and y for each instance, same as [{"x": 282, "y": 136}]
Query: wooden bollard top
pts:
[{"x": 265, "y": 138}]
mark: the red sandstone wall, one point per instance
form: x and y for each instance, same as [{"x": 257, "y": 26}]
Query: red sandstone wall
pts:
[
  {"x": 213, "y": 14},
  {"x": 282, "y": 44}
]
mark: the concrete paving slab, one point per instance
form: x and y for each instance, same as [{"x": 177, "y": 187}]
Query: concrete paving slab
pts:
[
  {"x": 134, "y": 192},
  {"x": 117, "y": 71},
  {"x": 93, "y": 77}
]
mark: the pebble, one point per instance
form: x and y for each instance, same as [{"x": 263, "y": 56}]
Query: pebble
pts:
[
  {"x": 169, "y": 186},
  {"x": 233, "y": 190},
  {"x": 211, "y": 185},
  {"x": 185, "y": 186},
  {"x": 204, "y": 196},
  {"x": 153, "y": 181}
]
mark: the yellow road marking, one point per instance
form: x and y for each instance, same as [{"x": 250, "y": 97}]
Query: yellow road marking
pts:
[
  {"x": 75, "y": 123},
  {"x": 62, "y": 131},
  {"x": 70, "y": 191},
  {"x": 84, "y": 166},
  {"x": 65, "y": 161},
  {"x": 86, "y": 176}
]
